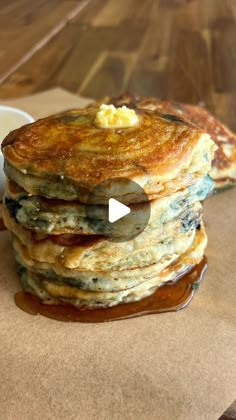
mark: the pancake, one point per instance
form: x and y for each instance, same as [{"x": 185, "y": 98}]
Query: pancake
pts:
[
  {"x": 111, "y": 280},
  {"x": 96, "y": 253},
  {"x": 104, "y": 255},
  {"x": 223, "y": 169},
  {"x": 57, "y": 217},
  {"x": 66, "y": 155},
  {"x": 51, "y": 291}
]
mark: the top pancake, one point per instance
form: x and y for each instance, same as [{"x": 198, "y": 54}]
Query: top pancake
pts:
[
  {"x": 65, "y": 156},
  {"x": 223, "y": 169}
]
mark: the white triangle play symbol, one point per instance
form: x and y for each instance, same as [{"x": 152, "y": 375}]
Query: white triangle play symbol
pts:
[{"x": 117, "y": 210}]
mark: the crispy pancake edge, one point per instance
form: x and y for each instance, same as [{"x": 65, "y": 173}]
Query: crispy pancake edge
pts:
[{"x": 77, "y": 155}]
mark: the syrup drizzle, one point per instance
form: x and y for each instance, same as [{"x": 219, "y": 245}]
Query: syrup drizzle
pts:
[{"x": 168, "y": 298}]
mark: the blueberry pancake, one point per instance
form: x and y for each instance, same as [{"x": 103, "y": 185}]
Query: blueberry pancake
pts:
[
  {"x": 57, "y": 217},
  {"x": 139, "y": 284},
  {"x": 64, "y": 156},
  {"x": 223, "y": 170}
]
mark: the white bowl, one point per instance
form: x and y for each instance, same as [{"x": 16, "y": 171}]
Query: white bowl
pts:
[{"x": 10, "y": 119}]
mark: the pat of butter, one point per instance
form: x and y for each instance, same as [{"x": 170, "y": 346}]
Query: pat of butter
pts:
[{"x": 109, "y": 116}]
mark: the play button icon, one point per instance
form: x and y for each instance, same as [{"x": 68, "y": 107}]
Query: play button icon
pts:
[
  {"x": 122, "y": 215},
  {"x": 117, "y": 210}
]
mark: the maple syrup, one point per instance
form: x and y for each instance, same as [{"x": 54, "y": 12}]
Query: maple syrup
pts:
[{"x": 167, "y": 298}]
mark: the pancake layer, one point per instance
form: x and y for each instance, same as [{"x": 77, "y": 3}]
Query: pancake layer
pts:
[
  {"x": 103, "y": 258},
  {"x": 52, "y": 291},
  {"x": 57, "y": 217},
  {"x": 65, "y": 156},
  {"x": 223, "y": 169}
]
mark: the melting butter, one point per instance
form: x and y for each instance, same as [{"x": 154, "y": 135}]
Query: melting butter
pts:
[{"x": 109, "y": 116}]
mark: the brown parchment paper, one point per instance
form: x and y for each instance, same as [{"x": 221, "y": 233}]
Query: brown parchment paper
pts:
[{"x": 170, "y": 366}]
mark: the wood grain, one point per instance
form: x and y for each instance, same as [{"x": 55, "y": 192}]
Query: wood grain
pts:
[
  {"x": 26, "y": 28},
  {"x": 177, "y": 49}
]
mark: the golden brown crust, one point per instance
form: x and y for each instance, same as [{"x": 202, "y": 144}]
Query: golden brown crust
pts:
[
  {"x": 224, "y": 165},
  {"x": 70, "y": 146}
]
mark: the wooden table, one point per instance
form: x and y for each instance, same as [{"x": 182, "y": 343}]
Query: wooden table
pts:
[{"x": 179, "y": 49}]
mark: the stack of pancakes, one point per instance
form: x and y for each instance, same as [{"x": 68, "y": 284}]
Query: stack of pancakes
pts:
[{"x": 61, "y": 235}]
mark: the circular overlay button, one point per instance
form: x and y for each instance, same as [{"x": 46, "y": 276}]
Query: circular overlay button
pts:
[{"x": 116, "y": 219}]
